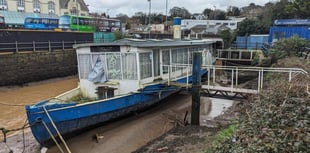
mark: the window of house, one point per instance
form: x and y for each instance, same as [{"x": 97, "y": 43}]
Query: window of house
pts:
[
  {"x": 2, "y": 2},
  {"x": 74, "y": 11},
  {"x": 20, "y": 5},
  {"x": 36, "y": 6},
  {"x": 51, "y": 7},
  {"x": 3, "y": 5}
]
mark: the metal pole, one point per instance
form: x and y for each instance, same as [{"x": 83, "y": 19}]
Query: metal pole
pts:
[
  {"x": 16, "y": 46},
  {"x": 197, "y": 59},
  {"x": 149, "y": 18},
  {"x": 49, "y": 46},
  {"x": 167, "y": 13},
  {"x": 34, "y": 46},
  {"x": 63, "y": 45},
  {"x": 232, "y": 80}
]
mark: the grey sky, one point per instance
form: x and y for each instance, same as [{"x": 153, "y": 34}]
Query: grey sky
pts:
[{"x": 129, "y": 7}]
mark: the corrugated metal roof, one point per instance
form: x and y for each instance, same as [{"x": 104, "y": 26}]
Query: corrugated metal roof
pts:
[{"x": 17, "y": 18}]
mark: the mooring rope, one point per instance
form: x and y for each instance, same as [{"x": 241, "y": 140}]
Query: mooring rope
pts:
[
  {"x": 5, "y": 131},
  {"x": 8, "y": 104}
]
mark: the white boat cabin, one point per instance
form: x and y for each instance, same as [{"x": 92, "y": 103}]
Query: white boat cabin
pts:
[{"x": 127, "y": 65}]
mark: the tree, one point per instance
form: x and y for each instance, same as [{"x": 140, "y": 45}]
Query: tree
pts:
[
  {"x": 127, "y": 26},
  {"x": 233, "y": 11},
  {"x": 122, "y": 17},
  {"x": 299, "y": 8},
  {"x": 226, "y": 36},
  {"x": 247, "y": 27},
  {"x": 280, "y": 12},
  {"x": 180, "y": 12},
  {"x": 141, "y": 17},
  {"x": 157, "y": 18},
  {"x": 217, "y": 15},
  {"x": 207, "y": 12}
]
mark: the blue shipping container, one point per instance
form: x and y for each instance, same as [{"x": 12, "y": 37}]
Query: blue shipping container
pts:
[{"x": 280, "y": 32}]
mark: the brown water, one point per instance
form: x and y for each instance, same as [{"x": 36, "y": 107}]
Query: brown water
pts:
[{"x": 14, "y": 99}]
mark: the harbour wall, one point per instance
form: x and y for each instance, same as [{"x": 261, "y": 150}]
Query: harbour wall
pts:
[{"x": 21, "y": 68}]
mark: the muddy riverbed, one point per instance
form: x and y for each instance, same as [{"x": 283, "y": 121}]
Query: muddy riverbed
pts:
[{"x": 121, "y": 136}]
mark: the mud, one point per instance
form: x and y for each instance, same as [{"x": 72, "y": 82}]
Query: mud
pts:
[
  {"x": 125, "y": 135},
  {"x": 129, "y": 134}
]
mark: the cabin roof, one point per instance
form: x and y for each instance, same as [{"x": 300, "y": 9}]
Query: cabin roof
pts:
[{"x": 148, "y": 43}]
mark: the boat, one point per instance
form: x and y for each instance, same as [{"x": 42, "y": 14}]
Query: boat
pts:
[{"x": 116, "y": 79}]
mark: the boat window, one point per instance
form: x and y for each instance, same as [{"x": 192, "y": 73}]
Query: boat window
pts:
[
  {"x": 183, "y": 53},
  {"x": 145, "y": 65},
  {"x": 129, "y": 66},
  {"x": 166, "y": 60},
  {"x": 180, "y": 56},
  {"x": 114, "y": 66},
  {"x": 84, "y": 65},
  {"x": 105, "y": 92}
]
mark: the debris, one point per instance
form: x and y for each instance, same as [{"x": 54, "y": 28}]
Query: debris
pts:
[
  {"x": 43, "y": 150},
  {"x": 163, "y": 148},
  {"x": 99, "y": 137}
]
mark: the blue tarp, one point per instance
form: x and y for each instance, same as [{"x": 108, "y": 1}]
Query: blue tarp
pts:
[{"x": 97, "y": 74}]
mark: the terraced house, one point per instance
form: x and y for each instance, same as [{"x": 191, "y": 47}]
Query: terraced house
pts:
[{"x": 15, "y": 11}]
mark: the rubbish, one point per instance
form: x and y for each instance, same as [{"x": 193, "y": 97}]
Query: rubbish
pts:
[
  {"x": 163, "y": 148},
  {"x": 99, "y": 137},
  {"x": 44, "y": 150}
]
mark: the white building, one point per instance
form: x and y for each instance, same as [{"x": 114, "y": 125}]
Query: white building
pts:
[
  {"x": 15, "y": 11},
  {"x": 56, "y": 7},
  {"x": 188, "y": 24}
]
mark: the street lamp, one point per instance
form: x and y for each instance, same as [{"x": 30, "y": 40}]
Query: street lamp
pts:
[
  {"x": 149, "y": 19},
  {"x": 166, "y": 13}
]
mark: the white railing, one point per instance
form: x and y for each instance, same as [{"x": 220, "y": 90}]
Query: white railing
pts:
[
  {"x": 235, "y": 71},
  {"x": 176, "y": 71}
]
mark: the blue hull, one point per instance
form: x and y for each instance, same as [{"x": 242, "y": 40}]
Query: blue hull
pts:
[{"x": 72, "y": 117}]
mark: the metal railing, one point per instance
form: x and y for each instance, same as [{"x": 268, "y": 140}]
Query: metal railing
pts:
[
  {"x": 235, "y": 71},
  {"x": 38, "y": 46}
]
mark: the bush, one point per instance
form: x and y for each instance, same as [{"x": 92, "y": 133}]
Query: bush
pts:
[
  {"x": 287, "y": 47},
  {"x": 275, "y": 122}
]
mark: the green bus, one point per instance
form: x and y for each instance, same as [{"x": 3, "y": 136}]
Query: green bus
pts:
[
  {"x": 76, "y": 23},
  {"x": 88, "y": 24}
]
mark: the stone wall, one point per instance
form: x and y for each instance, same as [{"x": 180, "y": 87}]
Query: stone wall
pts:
[{"x": 21, "y": 68}]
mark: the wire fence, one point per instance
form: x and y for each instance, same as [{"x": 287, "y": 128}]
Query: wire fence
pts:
[{"x": 38, "y": 46}]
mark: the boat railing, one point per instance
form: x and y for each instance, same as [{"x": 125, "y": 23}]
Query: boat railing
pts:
[{"x": 177, "y": 71}]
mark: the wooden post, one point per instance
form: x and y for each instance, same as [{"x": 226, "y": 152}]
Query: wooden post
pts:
[{"x": 197, "y": 59}]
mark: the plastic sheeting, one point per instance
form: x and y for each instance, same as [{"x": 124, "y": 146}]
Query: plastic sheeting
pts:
[{"x": 97, "y": 74}]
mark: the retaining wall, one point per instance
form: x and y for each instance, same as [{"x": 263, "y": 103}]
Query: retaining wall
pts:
[{"x": 21, "y": 68}]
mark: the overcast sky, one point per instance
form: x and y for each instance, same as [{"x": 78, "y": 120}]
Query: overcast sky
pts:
[{"x": 129, "y": 7}]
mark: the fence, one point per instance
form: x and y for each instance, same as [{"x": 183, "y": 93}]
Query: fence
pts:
[{"x": 38, "y": 46}]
